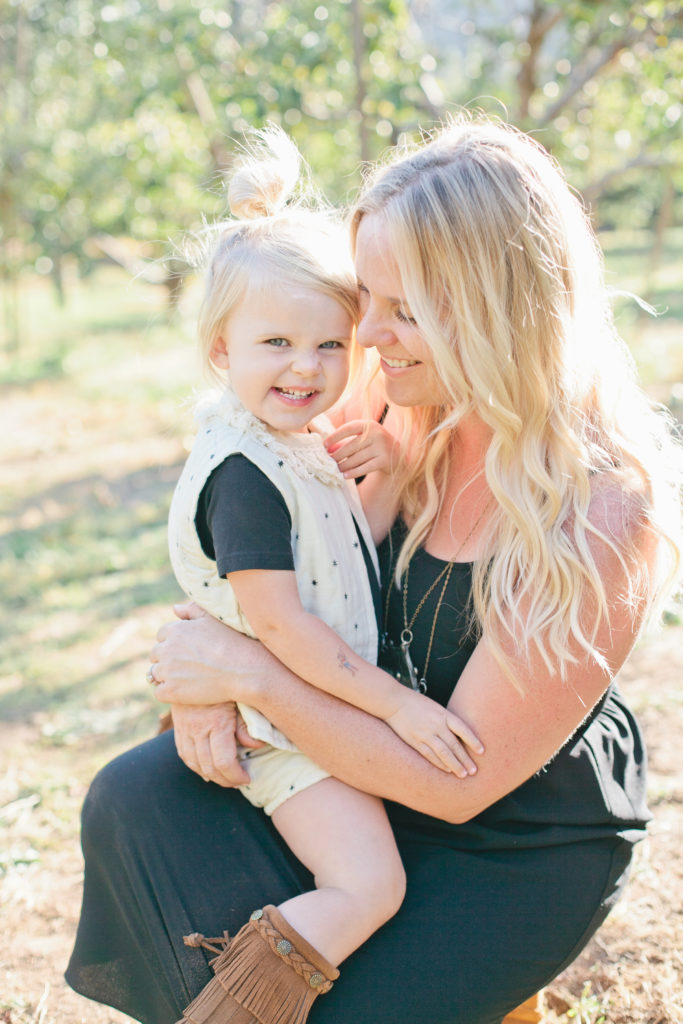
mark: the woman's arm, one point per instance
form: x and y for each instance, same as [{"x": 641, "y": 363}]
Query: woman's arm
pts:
[
  {"x": 314, "y": 652},
  {"x": 201, "y": 657},
  {"x": 520, "y": 732},
  {"x": 523, "y": 732}
]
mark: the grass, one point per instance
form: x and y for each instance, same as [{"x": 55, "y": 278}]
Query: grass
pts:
[
  {"x": 92, "y": 407},
  {"x": 94, "y": 431},
  {"x": 92, "y": 404},
  {"x": 655, "y": 341}
]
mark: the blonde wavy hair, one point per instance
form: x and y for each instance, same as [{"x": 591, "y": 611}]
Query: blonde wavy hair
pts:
[
  {"x": 282, "y": 233},
  {"x": 501, "y": 270}
]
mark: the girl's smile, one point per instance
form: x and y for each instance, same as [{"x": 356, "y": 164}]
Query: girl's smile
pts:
[
  {"x": 291, "y": 395},
  {"x": 287, "y": 353}
]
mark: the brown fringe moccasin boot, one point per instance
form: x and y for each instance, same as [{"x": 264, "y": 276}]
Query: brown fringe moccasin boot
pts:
[{"x": 268, "y": 973}]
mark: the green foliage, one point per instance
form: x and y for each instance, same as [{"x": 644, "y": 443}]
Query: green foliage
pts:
[
  {"x": 601, "y": 86},
  {"x": 87, "y": 479},
  {"x": 121, "y": 119}
]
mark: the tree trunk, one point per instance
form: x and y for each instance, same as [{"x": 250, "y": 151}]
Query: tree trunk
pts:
[
  {"x": 57, "y": 275},
  {"x": 359, "y": 66},
  {"x": 174, "y": 284},
  {"x": 11, "y": 311},
  {"x": 541, "y": 20}
]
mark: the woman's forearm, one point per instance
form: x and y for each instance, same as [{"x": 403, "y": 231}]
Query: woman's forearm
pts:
[
  {"x": 357, "y": 748},
  {"x": 200, "y": 661}
]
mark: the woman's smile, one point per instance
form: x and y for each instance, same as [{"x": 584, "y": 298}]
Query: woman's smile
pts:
[
  {"x": 386, "y": 323},
  {"x": 390, "y": 363}
]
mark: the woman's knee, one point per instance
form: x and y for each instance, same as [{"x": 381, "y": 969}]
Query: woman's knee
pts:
[{"x": 127, "y": 785}]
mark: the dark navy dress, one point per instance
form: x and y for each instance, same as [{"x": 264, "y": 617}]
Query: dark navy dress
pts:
[{"x": 495, "y": 908}]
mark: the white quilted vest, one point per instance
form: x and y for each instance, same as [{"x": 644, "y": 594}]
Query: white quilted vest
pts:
[{"x": 330, "y": 569}]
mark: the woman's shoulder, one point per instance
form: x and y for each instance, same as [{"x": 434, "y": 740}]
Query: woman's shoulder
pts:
[
  {"x": 619, "y": 503},
  {"x": 619, "y": 518}
]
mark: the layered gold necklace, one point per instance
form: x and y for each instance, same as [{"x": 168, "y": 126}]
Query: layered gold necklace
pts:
[{"x": 395, "y": 658}]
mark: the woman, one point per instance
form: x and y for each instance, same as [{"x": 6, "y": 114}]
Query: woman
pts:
[{"x": 539, "y": 529}]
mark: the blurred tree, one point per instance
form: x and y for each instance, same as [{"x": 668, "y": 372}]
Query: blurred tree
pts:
[
  {"x": 98, "y": 141},
  {"x": 120, "y": 118},
  {"x": 601, "y": 85}
]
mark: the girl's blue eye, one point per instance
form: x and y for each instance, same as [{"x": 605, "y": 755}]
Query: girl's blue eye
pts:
[
  {"x": 331, "y": 344},
  {"x": 277, "y": 342}
]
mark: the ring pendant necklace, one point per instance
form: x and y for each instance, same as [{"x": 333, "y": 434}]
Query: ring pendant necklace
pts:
[{"x": 395, "y": 658}]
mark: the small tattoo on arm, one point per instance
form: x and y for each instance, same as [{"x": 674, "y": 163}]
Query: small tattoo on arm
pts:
[{"x": 345, "y": 663}]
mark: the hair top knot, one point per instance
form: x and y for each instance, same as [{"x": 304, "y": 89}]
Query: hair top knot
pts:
[{"x": 266, "y": 176}]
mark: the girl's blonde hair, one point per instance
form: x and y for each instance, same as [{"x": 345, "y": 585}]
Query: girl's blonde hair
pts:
[
  {"x": 501, "y": 269},
  {"x": 279, "y": 236}
]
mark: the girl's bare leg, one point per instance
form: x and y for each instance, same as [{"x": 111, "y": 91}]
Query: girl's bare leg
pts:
[{"x": 344, "y": 838}]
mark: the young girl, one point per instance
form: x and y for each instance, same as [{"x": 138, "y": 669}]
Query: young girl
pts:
[{"x": 267, "y": 535}]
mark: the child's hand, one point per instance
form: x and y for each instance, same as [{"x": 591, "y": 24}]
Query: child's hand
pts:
[
  {"x": 436, "y": 733},
  {"x": 361, "y": 447}
]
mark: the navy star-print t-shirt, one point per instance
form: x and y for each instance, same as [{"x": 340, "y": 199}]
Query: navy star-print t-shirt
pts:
[{"x": 243, "y": 522}]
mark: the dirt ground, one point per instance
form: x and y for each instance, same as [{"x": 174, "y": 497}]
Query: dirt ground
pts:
[{"x": 631, "y": 973}]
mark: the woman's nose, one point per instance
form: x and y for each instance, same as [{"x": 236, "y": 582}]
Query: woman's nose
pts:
[{"x": 370, "y": 332}]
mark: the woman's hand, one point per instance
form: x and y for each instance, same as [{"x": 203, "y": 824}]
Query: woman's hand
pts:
[
  {"x": 188, "y": 673},
  {"x": 206, "y": 738},
  {"x": 199, "y": 660}
]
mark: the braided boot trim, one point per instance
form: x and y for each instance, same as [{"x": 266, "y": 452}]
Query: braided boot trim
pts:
[
  {"x": 302, "y": 958},
  {"x": 272, "y": 972}
]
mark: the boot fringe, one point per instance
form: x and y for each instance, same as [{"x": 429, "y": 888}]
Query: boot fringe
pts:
[
  {"x": 268, "y": 974},
  {"x": 277, "y": 1005},
  {"x": 279, "y": 1002},
  {"x": 205, "y": 1008}
]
